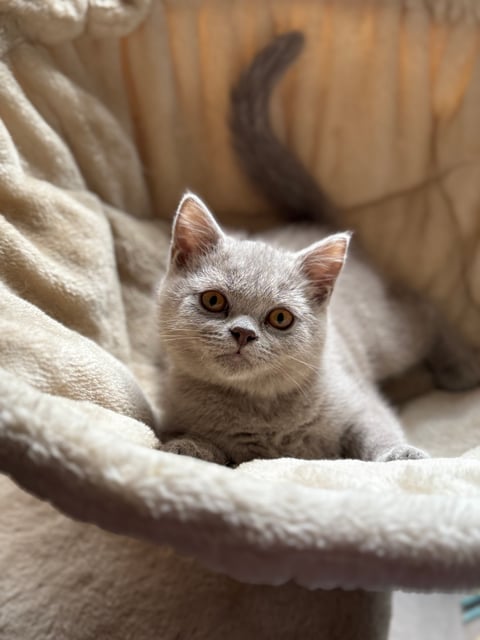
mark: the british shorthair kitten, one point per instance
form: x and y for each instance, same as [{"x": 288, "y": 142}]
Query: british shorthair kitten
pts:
[{"x": 275, "y": 346}]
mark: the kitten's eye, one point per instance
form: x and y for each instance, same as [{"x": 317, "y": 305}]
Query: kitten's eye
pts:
[
  {"x": 280, "y": 318},
  {"x": 213, "y": 301}
]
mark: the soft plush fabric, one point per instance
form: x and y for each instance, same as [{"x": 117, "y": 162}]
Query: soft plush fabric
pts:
[
  {"x": 108, "y": 111},
  {"x": 65, "y": 579}
]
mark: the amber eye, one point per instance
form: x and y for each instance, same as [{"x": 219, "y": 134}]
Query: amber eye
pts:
[
  {"x": 280, "y": 318},
  {"x": 213, "y": 301}
]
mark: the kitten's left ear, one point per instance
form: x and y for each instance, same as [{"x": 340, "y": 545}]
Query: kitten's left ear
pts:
[
  {"x": 322, "y": 262},
  {"x": 195, "y": 231}
]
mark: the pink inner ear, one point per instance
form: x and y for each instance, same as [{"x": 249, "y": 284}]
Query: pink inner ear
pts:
[
  {"x": 323, "y": 262},
  {"x": 195, "y": 231}
]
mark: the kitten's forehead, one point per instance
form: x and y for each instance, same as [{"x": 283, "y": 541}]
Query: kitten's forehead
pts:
[{"x": 250, "y": 266}]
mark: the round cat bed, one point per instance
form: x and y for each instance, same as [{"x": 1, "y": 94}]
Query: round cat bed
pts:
[{"x": 108, "y": 112}]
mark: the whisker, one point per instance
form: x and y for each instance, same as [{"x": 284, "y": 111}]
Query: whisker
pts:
[
  {"x": 306, "y": 364},
  {"x": 175, "y": 338},
  {"x": 278, "y": 369},
  {"x": 178, "y": 329}
]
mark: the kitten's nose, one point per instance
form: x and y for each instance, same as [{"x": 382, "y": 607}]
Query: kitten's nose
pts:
[{"x": 243, "y": 335}]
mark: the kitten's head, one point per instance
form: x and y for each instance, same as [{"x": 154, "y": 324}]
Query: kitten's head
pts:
[{"x": 241, "y": 313}]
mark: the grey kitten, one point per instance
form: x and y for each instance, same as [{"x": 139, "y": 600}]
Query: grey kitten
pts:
[{"x": 276, "y": 350}]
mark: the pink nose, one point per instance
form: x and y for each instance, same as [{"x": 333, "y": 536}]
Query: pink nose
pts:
[{"x": 243, "y": 335}]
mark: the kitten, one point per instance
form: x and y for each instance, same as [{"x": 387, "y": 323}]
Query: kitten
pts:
[{"x": 276, "y": 350}]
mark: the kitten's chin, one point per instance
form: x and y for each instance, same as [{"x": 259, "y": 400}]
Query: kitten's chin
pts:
[
  {"x": 235, "y": 365},
  {"x": 242, "y": 373}
]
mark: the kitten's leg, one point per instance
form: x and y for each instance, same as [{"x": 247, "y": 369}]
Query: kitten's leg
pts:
[
  {"x": 195, "y": 447},
  {"x": 375, "y": 433},
  {"x": 454, "y": 364}
]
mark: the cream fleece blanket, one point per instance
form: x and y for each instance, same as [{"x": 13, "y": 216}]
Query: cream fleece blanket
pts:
[{"x": 108, "y": 110}]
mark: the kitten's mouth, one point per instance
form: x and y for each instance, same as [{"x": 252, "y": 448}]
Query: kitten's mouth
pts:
[
  {"x": 235, "y": 355},
  {"x": 233, "y": 367},
  {"x": 234, "y": 358}
]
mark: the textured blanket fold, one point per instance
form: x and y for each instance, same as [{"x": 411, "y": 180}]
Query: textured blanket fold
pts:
[{"x": 108, "y": 111}]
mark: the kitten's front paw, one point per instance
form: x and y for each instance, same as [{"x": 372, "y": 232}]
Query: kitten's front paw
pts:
[
  {"x": 195, "y": 449},
  {"x": 402, "y": 452}
]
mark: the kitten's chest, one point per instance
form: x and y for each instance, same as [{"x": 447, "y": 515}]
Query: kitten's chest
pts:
[{"x": 246, "y": 429}]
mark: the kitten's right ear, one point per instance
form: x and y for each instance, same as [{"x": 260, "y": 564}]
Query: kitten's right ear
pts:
[
  {"x": 195, "y": 231},
  {"x": 322, "y": 263}
]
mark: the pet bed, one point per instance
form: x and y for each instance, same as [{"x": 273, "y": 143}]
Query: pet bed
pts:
[{"x": 108, "y": 111}]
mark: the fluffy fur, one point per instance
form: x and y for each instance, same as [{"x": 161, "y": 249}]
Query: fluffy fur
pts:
[
  {"x": 306, "y": 391},
  {"x": 239, "y": 388}
]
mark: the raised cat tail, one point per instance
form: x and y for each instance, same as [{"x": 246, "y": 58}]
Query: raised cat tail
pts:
[{"x": 275, "y": 170}]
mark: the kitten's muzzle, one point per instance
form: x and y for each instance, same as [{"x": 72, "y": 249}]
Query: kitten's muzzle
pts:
[{"x": 243, "y": 335}]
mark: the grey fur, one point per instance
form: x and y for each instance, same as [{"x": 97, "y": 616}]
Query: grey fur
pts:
[
  {"x": 269, "y": 164},
  {"x": 309, "y": 391},
  {"x": 305, "y": 392}
]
